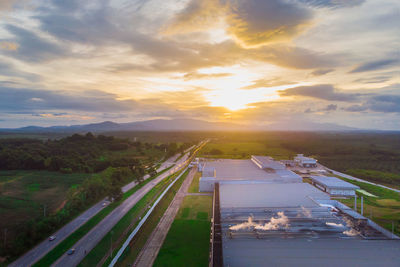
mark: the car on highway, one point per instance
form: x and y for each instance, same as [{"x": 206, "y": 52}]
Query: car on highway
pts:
[
  {"x": 51, "y": 238},
  {"x": 71, "y": 251},
  {"x": 104, "y": 204}
]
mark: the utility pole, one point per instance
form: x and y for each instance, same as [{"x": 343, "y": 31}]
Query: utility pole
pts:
[
  {"x": 362, "y": 205},
  {"x": 355, "y": 202},
  {"x": 392, "y": 228},
  {"x": 44, "y": 210}
]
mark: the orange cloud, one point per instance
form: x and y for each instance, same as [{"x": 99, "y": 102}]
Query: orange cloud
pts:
[{"x": 10, "y": 46}]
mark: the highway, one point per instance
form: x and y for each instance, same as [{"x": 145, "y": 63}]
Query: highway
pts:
[
  {"x": 36, "y": 253},
  {"x": 90, "y": 240}
]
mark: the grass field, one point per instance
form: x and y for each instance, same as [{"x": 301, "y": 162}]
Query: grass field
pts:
[
  {"x": 188, "y": 240},
  {"x": 383, "y": 209},
  {"x": 194, "y": 186},
  {"x": 25, "y": 194},
  {"x": 243, "y": 150}
]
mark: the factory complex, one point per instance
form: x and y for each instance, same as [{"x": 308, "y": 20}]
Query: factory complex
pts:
[{"x": 265, "y": 215}]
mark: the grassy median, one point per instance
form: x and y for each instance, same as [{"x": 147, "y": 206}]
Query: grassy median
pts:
[
  {"x": 120, "y": 231},
  {"x": 137, "y": 243},
  {"x": 384, "y": 209}
]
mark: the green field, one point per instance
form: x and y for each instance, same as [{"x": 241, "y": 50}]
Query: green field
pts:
[
  {"x": 25, "y": 194},
  {"x": 383, "y": 209},
  {"x": 194, "y": 186},
  {"x": 188, "y": 240},
  {"x": 243, "y": 150}
]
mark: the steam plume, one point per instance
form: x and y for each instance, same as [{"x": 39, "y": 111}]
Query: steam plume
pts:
[
  {"x": 281, "y": 221},
  {"x": 304, "y": 213},
  {"x": 246, "y": 225}
]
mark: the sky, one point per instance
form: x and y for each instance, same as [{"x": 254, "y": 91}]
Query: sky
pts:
[{"x": 254, "y": 62}]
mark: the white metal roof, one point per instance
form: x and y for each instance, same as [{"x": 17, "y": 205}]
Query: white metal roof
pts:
[
  {"x": 333, "y": 182},
  {"x": 269, "y": 195},
  {"x": 238, "y": 169}
]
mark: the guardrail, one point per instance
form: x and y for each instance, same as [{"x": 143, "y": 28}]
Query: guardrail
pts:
[{"x": 134, "y": 232}]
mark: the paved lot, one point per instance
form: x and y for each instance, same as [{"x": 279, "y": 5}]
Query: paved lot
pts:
[
  {"x": 44, "y": 247},
  {"x": 150, "y": 250}
]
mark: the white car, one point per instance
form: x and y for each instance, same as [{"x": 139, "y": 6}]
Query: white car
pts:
[
  {"x": 104, "y": 204},
  {"x": 51, "y": 238}
]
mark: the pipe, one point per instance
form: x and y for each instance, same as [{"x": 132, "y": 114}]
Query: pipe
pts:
[
  {"x": 355, "y": 202},
  {"x": 362, "y": 205}
]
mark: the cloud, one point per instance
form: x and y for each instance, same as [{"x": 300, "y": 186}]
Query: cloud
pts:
[
  {"x": 376, "y": 79},
  {"x": 196, "y": 16},
  {"x": 266, "y": 83},
  {"x": 7, "y": 4},
  {"x": 258, "y": 22},
  {"x": 328, "y": 108},
  {"x": 22, "y": 99},
  {"x": 376, "y": 65},
  {"x": 199, "y": 76},
  {"x": 8, "y": 70},
  {"x": 250, "y": 22},
  {"x": 31, "y": 47},
  {"x": 320, "y": 72},
  {"x": 8, "y": 46},
  {"x": 331, "y": 3},
  {"x": 322, "y": 91}
]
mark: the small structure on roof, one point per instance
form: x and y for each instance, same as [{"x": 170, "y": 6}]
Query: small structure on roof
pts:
[
  {"x": 334, "y": 186},
  {"x": 305, "y": 162},
  {"x": 267, "y": 163}
]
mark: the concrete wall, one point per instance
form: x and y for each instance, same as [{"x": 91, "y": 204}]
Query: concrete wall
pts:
[
  {"x": 206, "y": 184},
  {"x": 341, "y": 192}
]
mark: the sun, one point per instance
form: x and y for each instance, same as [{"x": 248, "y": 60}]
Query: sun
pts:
[{"x": 232, "y": 99}]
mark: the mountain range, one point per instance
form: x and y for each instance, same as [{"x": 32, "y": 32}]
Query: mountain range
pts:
[{"x": 182, "y": 125}]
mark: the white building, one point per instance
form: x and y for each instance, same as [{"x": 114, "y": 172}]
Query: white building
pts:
[
  {"x": 305, "y": 162},
  {"x": 334, "y": 186},
  {"x": 234, "y": 171}
]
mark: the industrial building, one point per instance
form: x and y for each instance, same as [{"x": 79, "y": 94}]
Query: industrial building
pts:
[
  {"x": 294, "y": 224},
  {"x": 334, "y": 186},
  {"x": 267, "y": 163},
  {"x": 305, "y": 162},
  {"x": 258, "y": 170}
]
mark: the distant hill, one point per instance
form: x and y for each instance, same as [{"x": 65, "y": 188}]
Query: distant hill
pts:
[{"x": 180, "y": 125}]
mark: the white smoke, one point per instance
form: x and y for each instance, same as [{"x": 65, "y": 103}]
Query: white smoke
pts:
[
  {"x": 246, "y": 225},
  {"x": 281, "y": 221},
  {"x": 304, "y": 213},
  {"x": 351, "y": 231},
  {"x": 334, "y": 224}
]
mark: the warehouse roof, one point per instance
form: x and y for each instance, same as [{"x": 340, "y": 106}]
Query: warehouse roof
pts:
[
  {"x": 333, "y": 182},
  {"x": 236, "y": 169},
  {"x": 269, "y": 195}
]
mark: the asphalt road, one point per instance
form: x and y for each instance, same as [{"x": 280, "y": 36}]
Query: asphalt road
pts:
[
  {"x": 45, "y": 246},
  {"x": 153, "y": 245},
  {"x": 90, "y": 240}
]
